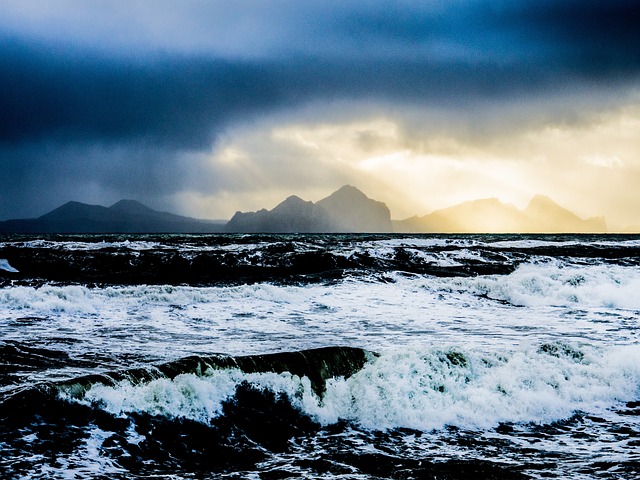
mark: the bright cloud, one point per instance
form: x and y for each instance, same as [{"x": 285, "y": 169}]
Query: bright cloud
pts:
[{"x": 584, "y": 166}]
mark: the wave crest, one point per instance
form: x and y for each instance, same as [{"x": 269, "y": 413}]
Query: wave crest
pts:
[{"x": 422, "y": 389}]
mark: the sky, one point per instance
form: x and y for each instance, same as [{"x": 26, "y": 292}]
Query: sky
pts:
[{"x": 204, "y": 107}]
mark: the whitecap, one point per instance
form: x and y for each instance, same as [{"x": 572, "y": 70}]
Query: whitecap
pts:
[
  {"x": 419, "y": 388},
  {"x": 4, "y": 265}
]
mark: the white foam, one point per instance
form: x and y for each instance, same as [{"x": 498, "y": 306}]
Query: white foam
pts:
[
  {"x": 167, "y": 322},
  {"x": 420, "y": 390},
  {"x": 557, "y": 284},
  {"x": 198, "y": 398},
  {"x": 187, "y": 395},
  {"x": 4, "y": 265},
  {"x": 87, "y": 460},
  {"x": 414, "y": 388},
  {"x": 49, "y": 299},
  {"x": 534, "y": 243},
  {"x": 133, "y": 245},
  {"x": 86, "y": 246},
  {"x": 491, "y": 241}
]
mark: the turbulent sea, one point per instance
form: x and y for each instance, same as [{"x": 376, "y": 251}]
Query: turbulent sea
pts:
[{"x": 320, "y": 357}]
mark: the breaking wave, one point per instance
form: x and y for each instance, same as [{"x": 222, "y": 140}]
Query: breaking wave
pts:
[
  {"x": 531, "y": 284},
  {"x": 422, "y": 389},
  {"x": 559, "y": 284},
  {"x": 222, "y": 413}
]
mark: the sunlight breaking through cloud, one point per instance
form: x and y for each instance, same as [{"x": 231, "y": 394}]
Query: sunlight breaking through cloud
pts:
[{"x": 415, "y": 173}]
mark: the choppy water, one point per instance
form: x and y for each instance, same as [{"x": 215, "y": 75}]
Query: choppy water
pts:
[{"x": 313, "y": 356}]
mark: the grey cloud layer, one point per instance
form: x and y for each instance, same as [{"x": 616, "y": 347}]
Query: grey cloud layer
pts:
[{"x": 193, "y": 68}]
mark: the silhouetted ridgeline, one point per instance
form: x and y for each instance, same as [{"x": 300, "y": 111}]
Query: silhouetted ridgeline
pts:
[
  {"x": 542, "y": 215},
  {"x": 126, "y": 216},
  {"x": 347, "y": 210}
]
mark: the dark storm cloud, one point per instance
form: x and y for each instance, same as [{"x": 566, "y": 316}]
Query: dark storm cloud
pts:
[
  {"x": 181, "y": 103},
  {"x": 463, "y": 51},
  {"x": 585, "y": 24},
  {"x": 74, "y": 97},
  {"x": 96, "y": 108},
  {"x": 594, "y": 38}
]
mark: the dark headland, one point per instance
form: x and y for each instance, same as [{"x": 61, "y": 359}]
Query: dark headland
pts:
[{"x": 125, "y": 216}]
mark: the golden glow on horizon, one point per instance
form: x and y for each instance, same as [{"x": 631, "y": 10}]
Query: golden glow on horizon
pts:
[{"x": 592, "y": 168}]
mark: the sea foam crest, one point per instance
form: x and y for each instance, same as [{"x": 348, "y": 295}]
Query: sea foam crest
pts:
[
  {"x": 194, "y": 397},
  {"x": 82, "y": 299},
  {"x": 433, "y": 389},
  {"x": 558, "y": 284},
  {"x": 190, "y": 396},
  {"x": 423, "y": 389}
]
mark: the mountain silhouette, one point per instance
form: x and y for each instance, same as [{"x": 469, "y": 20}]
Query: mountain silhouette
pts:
[
  {"x": 548, "y": 216},
  {"x": 490, "y": 215},
  {"x": 292, "y": 215},
  {"x": 352, "y": 211},
  {"x": 347, "y": 210},
  {"x": 125, "y": 216}
]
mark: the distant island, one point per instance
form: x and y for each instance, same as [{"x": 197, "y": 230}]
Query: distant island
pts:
[
  {"x": 125, "y": 216},
  {"x": 490, "y": 215},
  {"x": 347, "y": 210}
]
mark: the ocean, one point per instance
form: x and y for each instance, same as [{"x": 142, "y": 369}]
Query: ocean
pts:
[{"x": 320, "y": 356}]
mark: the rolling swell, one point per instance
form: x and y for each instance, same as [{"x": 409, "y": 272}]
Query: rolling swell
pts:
[
  {"x": 313, "y": 412},
  {"x": 55, "y": 418},
  {"x": 258, "y": 428},
  {"x": 318, "y": 365},
  {"x": 238, "y": 259},
  {"x": 253, "y": 259},
  {"x": 466, "y": 385}
]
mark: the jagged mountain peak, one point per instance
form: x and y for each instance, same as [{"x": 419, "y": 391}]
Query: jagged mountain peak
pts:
[
  {"x": 351, "y": 210},
  {"x": 347, "y": 191},
  {"x": 345, "y": 210},
  {"x": 292, "y": 202},
  {"x": 346, "y": 194},
  {"x": 293, "y": 199},
  {"x": 541, "y": 205}
]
